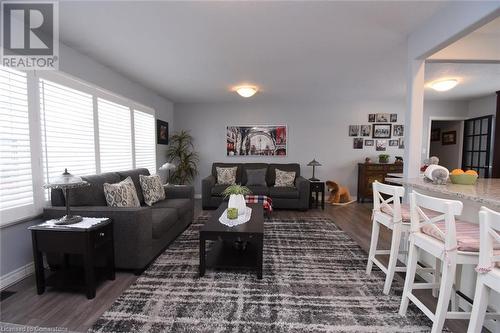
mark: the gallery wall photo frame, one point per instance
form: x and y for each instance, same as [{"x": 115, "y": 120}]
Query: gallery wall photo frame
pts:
[
  {"x": 449, "y": 138},
  {"x": 161, "y": 132},
  {"x": 435, "y": 134},
  {"x": 381, "y": 131},
  {"x": 257, "y": 140}
]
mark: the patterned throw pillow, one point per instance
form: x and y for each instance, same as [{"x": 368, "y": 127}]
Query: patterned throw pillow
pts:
[
  {"x": 152, "y": 189},
  {"x": 284, "y": 178},
  {"x": 226, "y": 176},
  {"x": 122, "y": 194}
]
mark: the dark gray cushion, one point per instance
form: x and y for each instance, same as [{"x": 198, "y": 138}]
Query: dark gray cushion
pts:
[
  {"x": 93, "y": 195},
  {"x": 255, "y": 177},
  {"x": 134, "y": 174},
  {"x": 284, "y": 192},
  {"x": 218, "y": 189},
  {"x": 183, "y": 206},
  {"x": 227, "y": 165},
  {"x": 259, "y": 190},
  {"x": 271, "y": 174},
  {"x": 250, "y": 166},
  {"x": 162, "y": 220}
]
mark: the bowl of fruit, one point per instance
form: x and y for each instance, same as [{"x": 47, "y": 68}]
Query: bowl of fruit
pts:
[{"x": 459, "y": 176}]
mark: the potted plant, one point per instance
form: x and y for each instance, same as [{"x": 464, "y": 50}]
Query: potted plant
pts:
[
  {"x": 236, "y": 194},
  {"x": 383, "y": 158},
  {"x": 181, "y": 153}
]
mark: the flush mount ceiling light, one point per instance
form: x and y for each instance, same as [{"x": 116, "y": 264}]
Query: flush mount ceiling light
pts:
[
  {"x": 246, "y": 91},
  {"x": 444, "y": 85}
]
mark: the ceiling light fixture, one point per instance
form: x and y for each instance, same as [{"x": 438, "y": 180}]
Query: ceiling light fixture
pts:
[
  {"x": 444, "y": 85},
  {"x": 246, "y": 91}
]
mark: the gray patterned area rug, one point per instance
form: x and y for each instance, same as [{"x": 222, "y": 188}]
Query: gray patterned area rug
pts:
[{"x": 314, "y": 281}]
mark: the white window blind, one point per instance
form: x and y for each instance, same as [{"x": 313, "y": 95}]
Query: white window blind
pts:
[
  {"x": 115, "y": 136},
  {"x": 67, "y": 123},
  {"x": 16, "y": 182},
  {"x": 145, "y": 141}
]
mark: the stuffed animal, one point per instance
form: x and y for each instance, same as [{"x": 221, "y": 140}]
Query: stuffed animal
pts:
[{"x": 338, "y": 194}]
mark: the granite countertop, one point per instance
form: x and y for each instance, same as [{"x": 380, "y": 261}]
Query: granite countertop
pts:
[{"x": 486, "y": 191}]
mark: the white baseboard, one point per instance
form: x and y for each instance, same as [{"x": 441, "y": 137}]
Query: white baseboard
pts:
[{"x": 16, "y": 275}]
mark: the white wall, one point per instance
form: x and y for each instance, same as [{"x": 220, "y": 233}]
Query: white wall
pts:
[
  {"x": 315, "y": 130},
  {"x": 483, "y": 106},
  {"x": 87, "y": 69},
  {"x": 440, "y": 110}
]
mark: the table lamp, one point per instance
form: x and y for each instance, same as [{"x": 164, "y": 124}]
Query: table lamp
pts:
[
  {"x": 314, "y": 164},
  {"x": 168, "y": 166},
  {"x": 65, "y": 182}
]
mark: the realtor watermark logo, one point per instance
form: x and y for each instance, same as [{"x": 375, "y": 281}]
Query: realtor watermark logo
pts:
[{"x": 30, "y": 35}]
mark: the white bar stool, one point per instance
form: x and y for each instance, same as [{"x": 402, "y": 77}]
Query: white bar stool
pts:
[
  {"x": 395, "y": 216},
  {"x": 488, "y": 271},
  {"x": 451, "y": 241}
]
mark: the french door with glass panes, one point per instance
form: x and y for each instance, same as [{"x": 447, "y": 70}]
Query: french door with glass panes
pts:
[{"x": 477, "y": 145}]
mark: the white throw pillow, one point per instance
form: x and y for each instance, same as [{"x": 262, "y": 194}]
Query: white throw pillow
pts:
[
  {"x": 122, "y": 194},
  {"x": 226, "y": 176},
  {"x": 152, "y": 189},
  {"x": 284, "y": 178}
]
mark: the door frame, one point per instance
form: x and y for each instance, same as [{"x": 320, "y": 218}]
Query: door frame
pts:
[{"x": 460, "y": 138}]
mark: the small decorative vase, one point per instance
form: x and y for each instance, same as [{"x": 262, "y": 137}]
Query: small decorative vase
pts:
[
  {"x": 232, "y": 213},
  {"x": 237, "y": 201}
]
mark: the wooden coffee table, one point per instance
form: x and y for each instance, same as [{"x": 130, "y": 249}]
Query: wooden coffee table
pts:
[{"x": 225, "y": 253}]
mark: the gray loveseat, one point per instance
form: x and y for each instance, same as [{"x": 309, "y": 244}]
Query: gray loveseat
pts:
[
  {"x": 296, "y": 197},
  {"x": 141, "y": 233}
]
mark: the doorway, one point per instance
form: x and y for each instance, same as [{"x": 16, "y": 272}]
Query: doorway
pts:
[{"x": 446, "y": 142}]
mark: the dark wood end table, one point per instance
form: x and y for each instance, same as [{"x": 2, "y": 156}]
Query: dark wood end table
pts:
[
  {"x": 224, "y": 254},
  {"x": 88, "y": 242},
  {"x": 317, "y": 187}
]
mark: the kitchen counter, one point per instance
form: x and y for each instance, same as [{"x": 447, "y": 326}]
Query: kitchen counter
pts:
[{"x": 486, "y": 191}]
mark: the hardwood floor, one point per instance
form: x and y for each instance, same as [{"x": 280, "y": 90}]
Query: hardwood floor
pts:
[{"x": 76, "y": 313}]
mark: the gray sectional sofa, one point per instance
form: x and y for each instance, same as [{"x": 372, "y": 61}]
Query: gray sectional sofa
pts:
[
  {"x": 296, "y": 197},
  {"x": 141, "y": 233}
]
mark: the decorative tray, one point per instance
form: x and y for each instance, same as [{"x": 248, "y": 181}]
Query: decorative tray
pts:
[{"x": 240, "y": 220}]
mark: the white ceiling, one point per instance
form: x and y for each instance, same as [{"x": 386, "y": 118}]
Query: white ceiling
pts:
[
  {"x": 474, "y": 80},
  {"x": 483, "y": 44},
  {"x": 195, "y": 51}
]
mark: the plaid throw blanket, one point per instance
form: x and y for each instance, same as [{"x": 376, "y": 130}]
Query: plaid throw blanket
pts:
[{"x": 267, "y": 202}]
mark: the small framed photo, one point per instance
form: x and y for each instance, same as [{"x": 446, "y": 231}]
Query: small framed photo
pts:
[
  {"x": 366, "y": 130},
  {"x": 394, "y": 143},
  {"x": 381, "y": 131},
  {"x": 371, "y": 117},
  {"x": 449, "y": 138},
  {"x": 161, "y": 132},
  {"x": 394, "y": 117},
  {"x": 380, "y": 145},
  {"x": 357, "y": 143},
  {"x": 368, "y": 143},
  {"x": 382, "y": 117},
  {"x": 398, "y": 130},
  {"x": 401, "y": 143},
  {"x": 353, "y": 130},
  {"x": 435, "y": 134}
]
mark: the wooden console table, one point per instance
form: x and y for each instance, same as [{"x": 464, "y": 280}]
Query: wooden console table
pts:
[{"x": 368, "y": 173}]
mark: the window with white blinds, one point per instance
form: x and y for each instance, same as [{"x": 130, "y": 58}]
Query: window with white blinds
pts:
[
  {"x": 67, "y": 122},
  {"x": 145, "y": 141},
  {"x": 16, "y": 181},
  {"x": 115, "y": 136}
]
